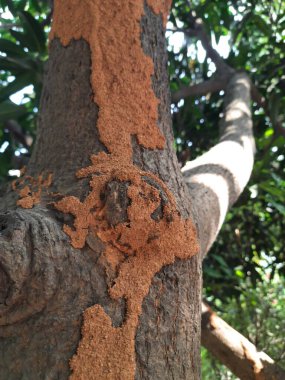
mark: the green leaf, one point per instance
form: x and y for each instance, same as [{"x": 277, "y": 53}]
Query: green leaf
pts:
[
  {"x": 35, "y": 4},
  {"x": 23, "y": 39},
  {"x": 261, "y": 24},
  {"x": 22, "y": 4},
  {"x": 274, "y": 103},
  {"x": 239, "y": 273},
  {"x": 213, "y": 273},
  {"x": 279, "y": 181},
  {"x": 10, "y": 110},
  {"x": 279, "y": 207},
  {"x": 274, "y": 191},
  {"x": 34, "y": 30},
  {"x": 10, "y": 4},
  {"x": 18, "y": 84},
  {"x": 220, "y": 260},
  {"x": 11, "y": 49},
  {"x": 5, "y": 163}
]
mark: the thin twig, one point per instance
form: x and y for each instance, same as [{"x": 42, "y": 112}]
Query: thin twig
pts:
[{"x": 16, "y": 130}]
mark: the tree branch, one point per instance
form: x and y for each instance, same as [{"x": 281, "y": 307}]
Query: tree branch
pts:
[
  {"x": 235, "y": 351},
  {"x": 217, "y": 83},
  {"x": 217, "y": 178},
  {"x": 198, "y": 31},
  {"x": 8, "y": 26},
  {"x": 16, "y": 130},
  {"x": 224, "y": 71}
]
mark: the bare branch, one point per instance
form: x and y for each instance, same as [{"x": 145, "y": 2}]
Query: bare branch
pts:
[
  {"x": 235, "y": 351},
  {"x": 9, "y": 26},
  {"x": 197, "y": 30},
  {"x": 212, "y": 85},
  {"x": 224, "y": 71},
  {"x": 16, "y": 130},
  {"x": 220, "y": 80}
]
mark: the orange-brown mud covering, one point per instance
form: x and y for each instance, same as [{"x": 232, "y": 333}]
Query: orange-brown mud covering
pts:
[
  {"x": 135, "y": 250},
  {"x": 30, "y": 189},
  {"x": 121, "y": 72}
]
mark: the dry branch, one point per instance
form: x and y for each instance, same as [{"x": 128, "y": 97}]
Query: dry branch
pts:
[
  {"x": 212, "y": 85},
  {"x": 221, "y": 78},
  {"x": 235, "y": 351}
]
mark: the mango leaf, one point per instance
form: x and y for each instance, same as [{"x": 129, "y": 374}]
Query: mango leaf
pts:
[
  {"x": 11, "y": 49},
  {"x": 34, "y": 30},
  {"x": 21, "y": 4},
  {"x": 35, "y": 4},
  {"x": 274, "y": 102},
  {"x": 18, "y": 84},
  {"x": 279, "y": 207},
  {"x": 213, "y": 273},
  {"x": 25, "y": 40},
  {"x": 261, "y": 24},
  {"x": 273, "y": 190},
  {"x": 10, "y": 4},
  {"x": 279, "y": 181},
  {"x": 10, "y": 110},
  {"x": 220, "y": 260},
  {"x": 5, "y": 162}
]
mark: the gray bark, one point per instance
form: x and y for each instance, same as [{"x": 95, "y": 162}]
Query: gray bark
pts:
[
  {"x": 217, "y": 178},
  {"x": 165, "y": 342}
]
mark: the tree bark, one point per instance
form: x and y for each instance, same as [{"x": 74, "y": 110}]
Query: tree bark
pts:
[
  {"x": 217, "y": 178},
  {"x": 49, "y": 278},
  {"x": 235, "y": 351}
]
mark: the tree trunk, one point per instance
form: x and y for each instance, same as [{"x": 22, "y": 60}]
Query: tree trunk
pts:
[
  {"x": 99, "y": 268},
  {"x": 98, "y": 263}
]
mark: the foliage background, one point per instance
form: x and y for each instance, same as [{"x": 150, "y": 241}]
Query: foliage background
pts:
[{"x": 244, "y": 272}]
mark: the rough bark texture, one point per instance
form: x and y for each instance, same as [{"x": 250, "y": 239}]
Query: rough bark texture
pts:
[
  {"x": 165, "y": 342},
  {"x": 66, "y": 135},
  {"x": 49, "y": 284},
  {"x": 46, "y": 284},
  {"x": 235, "y": 351}
]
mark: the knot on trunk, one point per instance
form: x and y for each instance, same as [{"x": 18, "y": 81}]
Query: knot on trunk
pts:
[
  {"x": 28, "y": 275},
  {"x": 116, "y": 202}
]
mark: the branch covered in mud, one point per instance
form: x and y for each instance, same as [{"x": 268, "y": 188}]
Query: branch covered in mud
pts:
[{"x": 217, "y": 178}]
